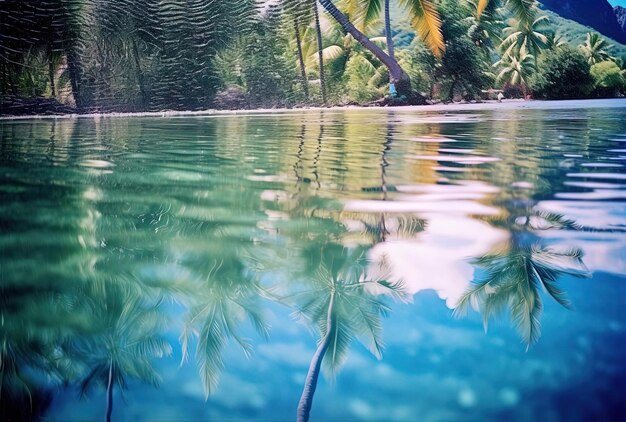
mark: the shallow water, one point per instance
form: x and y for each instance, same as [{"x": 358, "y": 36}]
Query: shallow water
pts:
[{"x": 201, "y": 252}]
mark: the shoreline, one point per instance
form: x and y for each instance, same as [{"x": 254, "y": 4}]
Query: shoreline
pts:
[{"x": 514, "y": 104}]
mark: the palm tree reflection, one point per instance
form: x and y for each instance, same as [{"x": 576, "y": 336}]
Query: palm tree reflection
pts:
[
  {"x": 343, "y": 303},
  {"x": 126, "y": 325},
  {"x": 31, "y": 345},
  {"x": 225, "y": 297},
  {"x": 515, "y": 272}
]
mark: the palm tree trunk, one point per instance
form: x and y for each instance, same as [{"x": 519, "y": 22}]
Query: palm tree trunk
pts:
[
  {"x": 51, "y": 68},
  {"x": 388, "y": 33},
  {"x": 73, "y": 68},
  {"x": 396, "y": 74},
  {"x": 140, "y": 80},
  {"x": 305, "y": 82},
  {"x": 389, "y": 37},
  {"x": 3, "y": 66},
  {"x": 306, "y": 400},
  {"x": 320, "y": 52},
  {"x": 109, "y": 394}
]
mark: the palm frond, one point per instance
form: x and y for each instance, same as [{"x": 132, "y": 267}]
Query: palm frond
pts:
[
  {"x": 526, "y": 314},
  {"x": 426, "y": 22},
  {"x": 524, "y": 10},
  {"x": 481, "y": 6},
  {"x": 341, "y": 336}
]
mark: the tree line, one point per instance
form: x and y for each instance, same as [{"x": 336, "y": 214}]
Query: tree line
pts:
[{"x": 150, "y": 55}]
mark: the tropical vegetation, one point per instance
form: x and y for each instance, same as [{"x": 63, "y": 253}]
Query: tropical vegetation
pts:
[{"x": 135, "y": 55}]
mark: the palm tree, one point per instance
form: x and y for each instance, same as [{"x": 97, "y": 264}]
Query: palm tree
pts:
[
  {"x": 369, "y": 11},
  {"x": 125, "y": 338},
  {"x": 320, "y": 48},
  {"x": 515, "y": 71},
  {"x": 596, "y": 48},
  {"x": 72, "y": 17},
  {"x": 523, "y": 10},
  {"x": 524, "y": 38},
  {"x": 340, "y": 303},
  {"x": 485, "y": 26},
  {"x": 299, "y": 11},
  {"x": 226, "y": 296},
  {"x": 34, "y": 339},
  {"x": 341, "y": 51},
  {"x": 516, "y": 271},
  {"x": 515, "y": 275},
  {"x": 555, "y": 40},
  {"x": 426, "y": 22}
]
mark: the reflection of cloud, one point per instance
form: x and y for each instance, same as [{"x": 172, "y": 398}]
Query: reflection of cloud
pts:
[
  {"x": 604, "y": 251},
  {"x": 296, "y": 355},
  {"x": 437, "y": 258}
]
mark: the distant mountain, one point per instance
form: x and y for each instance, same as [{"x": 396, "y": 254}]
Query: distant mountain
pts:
[
  {"x": 597, "y": 14},
  {"x": 620, "y": 12},
  {"x": 574, "y": 32}
]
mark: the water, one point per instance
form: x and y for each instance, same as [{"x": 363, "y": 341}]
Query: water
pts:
[{"x": 200, "y": 253}]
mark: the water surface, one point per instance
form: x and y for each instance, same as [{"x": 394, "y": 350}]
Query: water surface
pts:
[{"x": 485, "y": 248}]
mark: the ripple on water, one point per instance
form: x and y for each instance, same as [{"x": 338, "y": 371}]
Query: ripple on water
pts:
[
  {"x": 96, "y": 164},
  {"x": 609, "y": 176}
]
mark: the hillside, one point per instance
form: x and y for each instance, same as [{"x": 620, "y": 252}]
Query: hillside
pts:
[
  {"x": 575, "y": 33},
  {"x": 620, "y": 12},
  {"x": 597, "y": 14}
]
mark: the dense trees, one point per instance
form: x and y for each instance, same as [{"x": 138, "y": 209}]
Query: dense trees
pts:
[
  {"x": 563, "y": 64},
  {"x": 134, "y": 55}
]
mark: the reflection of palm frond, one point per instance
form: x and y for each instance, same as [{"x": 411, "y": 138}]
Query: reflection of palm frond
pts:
[
  {"x": 343, "y": 308},
  {"x": 514, "y": 276},
  {"x": 357, "y": 308},
  {"x": 224, "y": 300},
  {"x": 375, "y": 227},
  {"x": 125, "y": 334}
]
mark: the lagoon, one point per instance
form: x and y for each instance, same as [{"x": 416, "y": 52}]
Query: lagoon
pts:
[{"x": 476, "y": 257}]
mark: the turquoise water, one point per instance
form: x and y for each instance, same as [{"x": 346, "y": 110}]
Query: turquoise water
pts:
[{"x": 186, "y": 255}]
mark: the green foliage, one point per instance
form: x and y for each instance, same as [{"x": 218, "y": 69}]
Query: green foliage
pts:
[
  {"x": 525, "y": 38},
  {"x": 268, "y": 78},
  {"x": 361, "y": 79},
  {"x": 596, "y": 49},
  {"x": 357, "y": 305},
  {"x": 517, "y": 271},
  {"x": 515, "y": 71},
  {"x": 463, "y": 69},
  {"x": 562, "y": 74},
  {"x": 608, "y": 78}
]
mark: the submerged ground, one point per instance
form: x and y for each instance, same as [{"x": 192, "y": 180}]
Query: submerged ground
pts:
[{"x": 123, "y": 239}]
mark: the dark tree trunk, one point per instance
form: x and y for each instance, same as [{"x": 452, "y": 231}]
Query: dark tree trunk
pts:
[
  {"x": 3, "y": 76},
  {"x": 73, "y": 68},
  {"x": 51, "y": 69},
  {"x": 3, "y": 55},
  {"x": 310, "y": 384},
  {"x": 320, "y": 52},
  {"x": 109, "y": 394},
  {"x": 140, "y": 79},
  {"x": 451, "y": 92},
  {"x": 305, "y": 81},
  {"x": 396, "y": 74}
]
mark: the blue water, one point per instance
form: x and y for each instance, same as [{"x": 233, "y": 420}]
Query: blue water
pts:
[{"x": 176, "y": 214}]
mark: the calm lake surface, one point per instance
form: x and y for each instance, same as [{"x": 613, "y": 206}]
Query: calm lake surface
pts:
[{"x": 476, "y": 258}]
